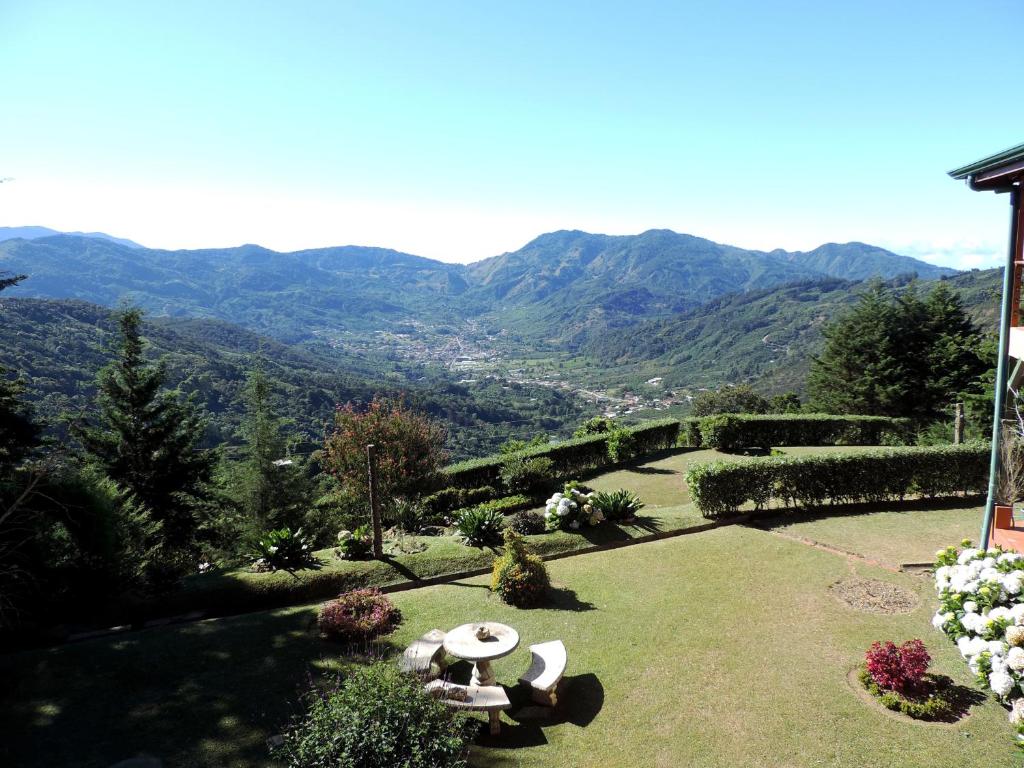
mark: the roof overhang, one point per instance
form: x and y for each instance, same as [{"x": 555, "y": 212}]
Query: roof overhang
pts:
[{"x": 996, "y": 173}]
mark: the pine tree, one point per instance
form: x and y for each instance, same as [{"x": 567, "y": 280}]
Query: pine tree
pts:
[
  {"x": 274, "y": 488},
  {"x": 957, "y": 357},
  {"x": 147, "y": 439}
]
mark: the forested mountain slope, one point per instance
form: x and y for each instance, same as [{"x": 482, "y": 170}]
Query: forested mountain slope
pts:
[{"x": 58, "y": 345}]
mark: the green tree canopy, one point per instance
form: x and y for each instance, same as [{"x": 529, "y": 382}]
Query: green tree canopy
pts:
[{"x": 897, "y": 355}]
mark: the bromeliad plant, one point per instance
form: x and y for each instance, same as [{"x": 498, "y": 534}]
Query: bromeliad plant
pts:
[
  {"x": 283, "y": 550},
  {"x": 570, "y": 510},
  {"x": 981, "y": 608}
]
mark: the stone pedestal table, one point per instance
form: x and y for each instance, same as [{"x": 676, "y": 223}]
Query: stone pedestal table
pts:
[{"x": 463, "y": 642}]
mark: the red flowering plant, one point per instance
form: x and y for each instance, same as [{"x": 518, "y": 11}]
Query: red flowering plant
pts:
[
  {"x": 899, "y": 668},
  {"x": 361, "y": 614}
]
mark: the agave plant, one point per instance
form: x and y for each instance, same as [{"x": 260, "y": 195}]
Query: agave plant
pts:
[{"x": 480, "y": 526}]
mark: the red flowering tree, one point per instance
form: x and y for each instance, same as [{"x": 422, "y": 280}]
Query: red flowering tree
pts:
[
  {"x": 410, "y": 449},
  {"x": 899, "y": 668}
]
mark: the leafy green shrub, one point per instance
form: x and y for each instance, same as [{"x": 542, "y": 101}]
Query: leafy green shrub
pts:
[
  {"x": 521, "y": 474},
  {"x": 730, "y": 432},
  {"x": 527, "y": 523},
  {"x": 616, "y": 505},
  {"x": 283, "y": 550},
  {"x": 375, "y": 717},
  {"x": 595, "y": 426},
  {"x": 721, "y": 487},
  {"x": 359, "y": 615},
  {"x": 937, "y": 703},
  {"x": 621, "y": 445},
  {"x": 355, "y": 545},
  {"x": 479, "y": 527},
  {"x": 519, "y": 577},
  {"x": 689, "y": 433}
]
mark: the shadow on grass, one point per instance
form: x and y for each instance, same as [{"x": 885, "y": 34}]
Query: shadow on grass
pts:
[
  {"x": 227, "y": 685},
  {"x": 651, "y": 471},
  {"x": 563, "y": 599},
  {"x": 770, "y": 518}
]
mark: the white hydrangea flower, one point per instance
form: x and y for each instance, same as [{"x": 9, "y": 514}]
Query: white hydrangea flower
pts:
[
  {"x": 996, "y": 647},
  {"x": 1015, "y": 659},
  {"x": 1000, "y": 683},
  {"x": 967, "y": 555},
  {"x": 1017, "y": 712},
  {"x": 1013, "y": 582},
  {"x": 939, "y": 620},
  {"x": 999, "y": 613},
  {"x": 1015, "y": 635},
  {"x": 971, "y": 607}
]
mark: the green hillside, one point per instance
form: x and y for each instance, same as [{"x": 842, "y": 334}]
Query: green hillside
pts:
[{"x": 58, "y": 345}]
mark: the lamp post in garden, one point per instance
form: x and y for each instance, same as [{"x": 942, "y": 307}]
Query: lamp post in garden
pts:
[{"x": 371, "y": 465}]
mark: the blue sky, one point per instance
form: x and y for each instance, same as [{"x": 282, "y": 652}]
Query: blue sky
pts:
[{"x": 462, "y": 130}]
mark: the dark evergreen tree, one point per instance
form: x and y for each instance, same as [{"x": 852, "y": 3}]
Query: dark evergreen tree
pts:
[
  {"x": 274, "y": 489},
  {"x": 146, "y": 439},
  {"x": 897, "y": 355}
]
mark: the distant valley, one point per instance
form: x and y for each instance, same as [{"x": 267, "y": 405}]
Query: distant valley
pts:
[{"x": 618, "y": 324}]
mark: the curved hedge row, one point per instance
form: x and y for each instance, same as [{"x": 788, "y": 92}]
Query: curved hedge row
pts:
[
  {"x": 741, "y": 430},
  {"x": 720, "y": 488},
  {"x": 570, "y": 458}
]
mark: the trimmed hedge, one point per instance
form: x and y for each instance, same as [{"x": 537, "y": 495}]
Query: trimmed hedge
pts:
[
  {"x": 689, "y": 432},
  {"x": 720, "y": 488},
  {"x": 570, "y": 458},
  {"x": 506, "y": 505},
  {"x": 448, "y": 499},
  {"x": 739, "y": 430}
]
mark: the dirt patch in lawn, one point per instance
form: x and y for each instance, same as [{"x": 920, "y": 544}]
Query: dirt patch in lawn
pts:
[{"x": 874, "y": 596}]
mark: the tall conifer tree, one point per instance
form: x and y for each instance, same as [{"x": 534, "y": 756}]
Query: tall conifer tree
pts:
[{"x": 147, "y": 439}]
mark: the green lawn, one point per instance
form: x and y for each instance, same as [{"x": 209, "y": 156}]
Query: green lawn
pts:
[
  {"x": 910, "y": 534},
  {"x": 724, "y": 648},
  {"x": 659, "y": 482}
]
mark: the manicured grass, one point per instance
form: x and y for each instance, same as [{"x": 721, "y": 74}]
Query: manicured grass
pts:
[
  {"x": 659, "y": 481},
  {"x": 718, "y": 649},
  {"x": 909, "y": 534}
]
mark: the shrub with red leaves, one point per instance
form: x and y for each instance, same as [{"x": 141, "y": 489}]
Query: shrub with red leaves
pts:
[
  {"x": 898, "y": 667},
  {"x": 361, "y": 614}
]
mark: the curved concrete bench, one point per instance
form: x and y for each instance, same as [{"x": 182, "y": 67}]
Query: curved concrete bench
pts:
[
  {"x": 546, "y": 669},
  {"x": 425, "y": 657},
  {"x": 478, "y": 698}
]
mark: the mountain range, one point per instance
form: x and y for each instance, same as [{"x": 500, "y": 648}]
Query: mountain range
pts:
[
  {"x": 509, "y": 345},
  {"x": 562, "y": 287}
]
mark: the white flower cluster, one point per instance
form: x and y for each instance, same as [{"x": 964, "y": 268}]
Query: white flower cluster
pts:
[
  {"x": 982, "y": 610},
  {"x": 570, "y": 510}
]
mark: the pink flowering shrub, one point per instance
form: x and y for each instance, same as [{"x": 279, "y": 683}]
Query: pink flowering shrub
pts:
[
  {"x": 898, "y": 667},
  {"x": 361, "y": 614}
]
